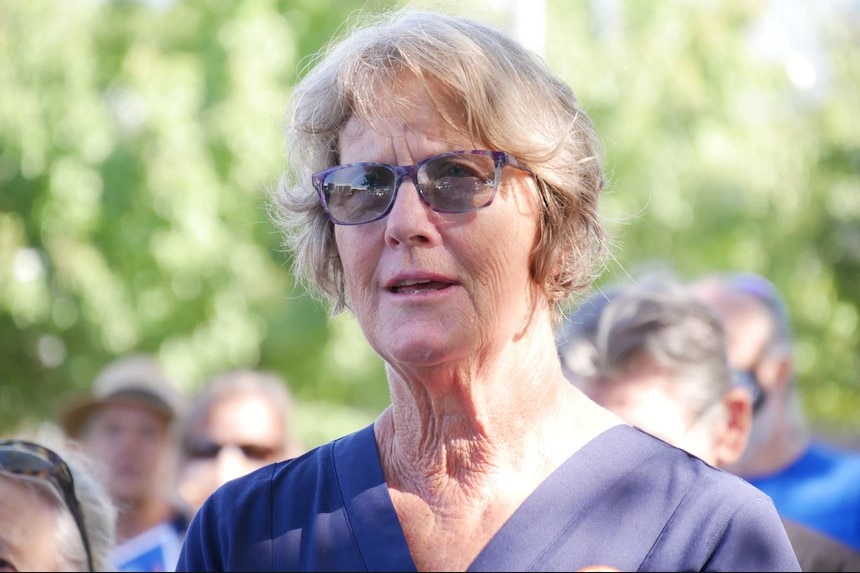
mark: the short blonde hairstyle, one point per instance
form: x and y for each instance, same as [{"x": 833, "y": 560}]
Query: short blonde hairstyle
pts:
[{"x": 483, "y": 83}]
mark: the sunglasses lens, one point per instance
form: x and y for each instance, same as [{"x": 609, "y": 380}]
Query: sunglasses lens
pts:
[
  {"x": 259, "y": 453},
  {"x": 458, "y": 182},
  {"x": 748, "y": 380},
  {"x": 203, "y": 450},
  {"x": 27, "y": 463},
  {"x": 358, "y": 193},
  {"x": 210, "y": 450}
]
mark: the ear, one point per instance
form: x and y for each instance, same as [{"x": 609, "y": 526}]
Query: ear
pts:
[{"x": 732, "y": 435}]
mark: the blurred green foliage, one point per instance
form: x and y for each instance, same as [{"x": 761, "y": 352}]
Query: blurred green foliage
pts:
[
  {"x": 137, "y": 142},
  {"x": 719, "y": 161}
]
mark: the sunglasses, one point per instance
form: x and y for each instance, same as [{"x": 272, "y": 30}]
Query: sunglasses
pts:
[
  {"x": 209, "y": 450},
  {"x": 452, "y": 182},
  {"x": 749, "y": 380},
  {"x": 19, "y": 457}
]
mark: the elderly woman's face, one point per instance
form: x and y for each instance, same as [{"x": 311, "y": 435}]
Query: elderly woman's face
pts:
[
  {"x": 28, "y": 528},
  {"x": 430, "y": 288}
]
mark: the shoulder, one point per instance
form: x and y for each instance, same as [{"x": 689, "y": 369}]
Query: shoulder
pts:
[
  {"x": 717, "y": 518},
  {"x": 823, "y": 453},
  {"x": 691, "y": 476},
  {"x": 666, "y": 480},
  {"x": 155, "y": 549},
  {"x": 656, "y": 507},
  {"x": 835, "y": 468}
]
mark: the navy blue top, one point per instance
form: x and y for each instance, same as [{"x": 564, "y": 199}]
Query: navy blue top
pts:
[{"x": 626, "y": 499}]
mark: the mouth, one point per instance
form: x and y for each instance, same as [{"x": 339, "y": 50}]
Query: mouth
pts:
[{"x": 417, "y": 286}]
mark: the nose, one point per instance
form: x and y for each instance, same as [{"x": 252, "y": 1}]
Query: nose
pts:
[
  {"x": 232, "y": 464},
  {"x": 411, "y": 221}
]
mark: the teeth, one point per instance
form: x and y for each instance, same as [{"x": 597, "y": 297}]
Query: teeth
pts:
[{"x": 410, "y": 283}]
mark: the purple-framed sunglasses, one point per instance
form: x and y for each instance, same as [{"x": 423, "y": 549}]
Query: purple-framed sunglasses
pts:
[{"x": 451, "y": 182}]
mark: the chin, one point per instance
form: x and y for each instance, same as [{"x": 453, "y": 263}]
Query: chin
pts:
[{"x": 421, "y": 352}]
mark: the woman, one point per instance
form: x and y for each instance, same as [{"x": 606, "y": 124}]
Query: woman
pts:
[
  {"x": 54, "y": 515},
  {"x": 457, "y": 183}
]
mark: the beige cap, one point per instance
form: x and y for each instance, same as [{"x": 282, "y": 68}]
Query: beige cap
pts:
[{"x": 136, "y": 380}]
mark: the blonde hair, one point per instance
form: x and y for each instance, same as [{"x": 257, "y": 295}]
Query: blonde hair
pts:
[{"x": 483, "y": 83}]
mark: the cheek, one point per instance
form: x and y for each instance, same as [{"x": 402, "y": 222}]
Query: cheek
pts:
[
  {"x": 357, "y": 257},
  {"x": 36, "y": 534},
  {"x": 506, "y": 253},
  {"x": 501, "y": 270}
]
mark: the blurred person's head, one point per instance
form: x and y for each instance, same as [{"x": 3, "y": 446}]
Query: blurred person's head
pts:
[
  {"x": 758, "y": 330},
  {"x": 54, "y": 514},
  {"x": 124, "y": 426},
  {"x": 655, "y": 355},
  {"x": 240, "y": 421}
]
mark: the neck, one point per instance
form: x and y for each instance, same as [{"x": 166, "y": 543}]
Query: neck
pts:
[
  {"x": 462, "y": 446},
  {"x": 135, "y": 517},
  {"x": 473, "y": 430},
  {"x": 782, "y": 440},
  {"x": 775, "y": 455}
]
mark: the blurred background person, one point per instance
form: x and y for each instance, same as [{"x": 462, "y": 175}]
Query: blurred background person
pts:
[
  {"x": 125, "y": 426},
  {"x": 55, "y": 515},
  {"x": 656, "y": 355},
  {"x": 811, "y": 482},
  {"x": 240, "y": 421}
]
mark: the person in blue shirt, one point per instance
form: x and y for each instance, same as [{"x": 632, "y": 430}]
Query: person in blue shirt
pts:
[
  {"x": 812, "y": 482},
  {"x": 444, "y": 189},
  {"x": 125, "y": 424}
]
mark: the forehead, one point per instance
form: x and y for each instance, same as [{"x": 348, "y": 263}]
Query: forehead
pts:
[
  {"x": 127, "y": 415},
  {"x": 744, "y": 317},
  {"x": 747, "y": 321},
  {"x": 23, "y": 541},
  {"x": 235, "y": 417},
  {"x": 409, "y": 107}
]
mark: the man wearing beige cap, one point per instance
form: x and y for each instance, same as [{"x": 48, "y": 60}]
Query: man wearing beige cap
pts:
[{"x": 124, "y": 426}]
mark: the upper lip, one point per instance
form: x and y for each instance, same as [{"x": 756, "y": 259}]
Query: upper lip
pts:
[{"x": 403, "y": 279}]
